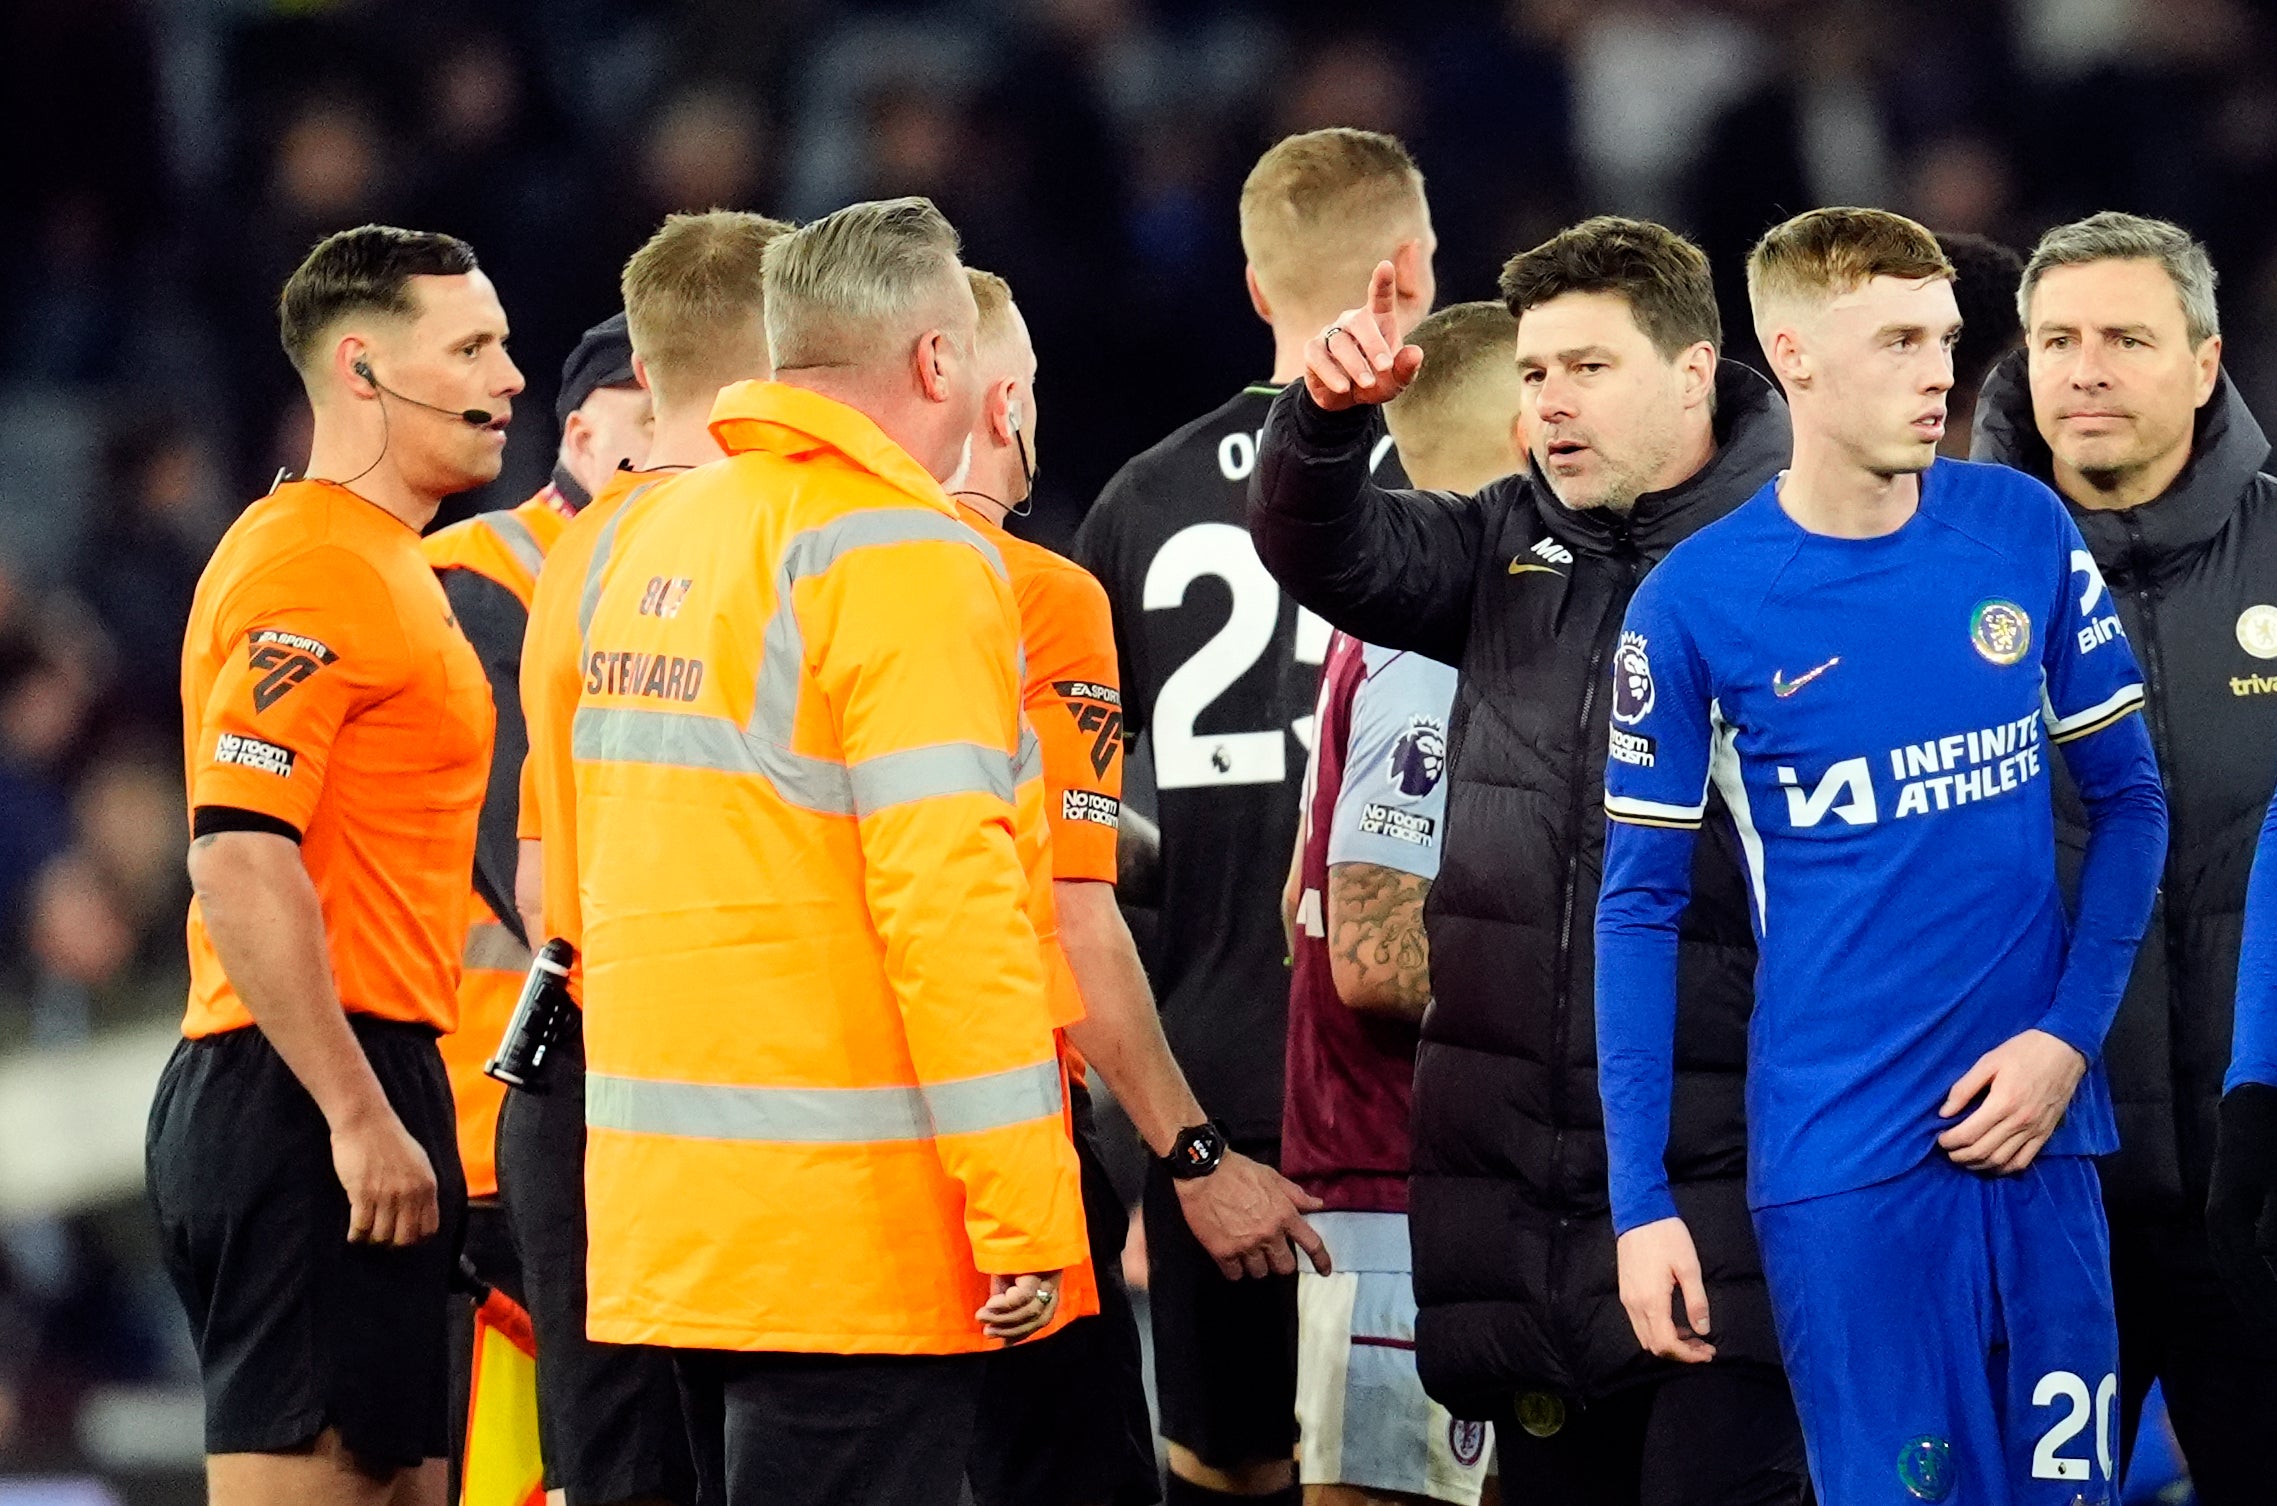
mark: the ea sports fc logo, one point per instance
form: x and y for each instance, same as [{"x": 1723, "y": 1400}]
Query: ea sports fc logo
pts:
[
  {"x": 2001, "y": 632},
  {"x": 1632, "y": 681}
]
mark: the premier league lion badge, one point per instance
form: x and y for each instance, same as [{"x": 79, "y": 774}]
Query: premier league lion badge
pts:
[
  {"x": 1632, "y": 681},
  {"x": 1419, "y": 757}
]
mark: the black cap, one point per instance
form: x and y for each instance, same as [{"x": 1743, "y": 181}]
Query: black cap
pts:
[{"x": 603, "y": 358}]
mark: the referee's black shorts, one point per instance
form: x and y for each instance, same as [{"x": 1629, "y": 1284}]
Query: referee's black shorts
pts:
[
  {"x": 610, "y": 1420},
  {"x": 1225, "y": 1352},
  {"x": 1063, "y": 1420},
  {"x": 296, "y": 1329}
]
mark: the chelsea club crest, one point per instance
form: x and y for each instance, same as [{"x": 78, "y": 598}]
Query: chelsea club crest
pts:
[{"x": 2001, "y": 631}]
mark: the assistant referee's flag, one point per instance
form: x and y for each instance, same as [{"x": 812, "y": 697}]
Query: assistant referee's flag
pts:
[{"x": 502, "y": 1467}]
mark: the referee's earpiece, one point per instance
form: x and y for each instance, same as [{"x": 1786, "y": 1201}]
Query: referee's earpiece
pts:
[
  {"x": 363, "y": 368},
  {"x": 1012, "y": 417}
]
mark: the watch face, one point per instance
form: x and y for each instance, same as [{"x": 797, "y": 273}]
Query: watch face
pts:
[{"x": 1198, "y": 1150}]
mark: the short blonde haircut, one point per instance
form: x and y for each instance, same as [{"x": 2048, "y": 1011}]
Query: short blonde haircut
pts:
[
  {"x": 1453, "y": 424},
  {"x": 1319, "y": 210},
  {"x": 1825, "y": 253},
  {"x": 992, "y": 295},
  {"x": 694, "y": 304},
  {"x": 847, "y": 288}
]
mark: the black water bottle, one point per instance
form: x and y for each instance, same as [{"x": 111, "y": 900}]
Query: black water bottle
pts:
[{"x": 520, "y": 1061}]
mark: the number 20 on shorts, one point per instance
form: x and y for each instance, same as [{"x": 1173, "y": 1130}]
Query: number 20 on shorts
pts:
[{"x": 2067, "y": 1393}]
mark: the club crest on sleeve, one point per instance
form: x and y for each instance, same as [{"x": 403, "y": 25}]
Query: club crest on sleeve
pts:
[
  {"x": 1466, "y": 1441},
  {"x": 2001, "y": 632},
  {"x": 287, "y": 658},
  {"x": 1632, "y": 680},
  {"x": 1419, "y": 756}
]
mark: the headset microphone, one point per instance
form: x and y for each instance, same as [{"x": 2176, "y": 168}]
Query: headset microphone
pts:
[{"x": 477, "y": 417}]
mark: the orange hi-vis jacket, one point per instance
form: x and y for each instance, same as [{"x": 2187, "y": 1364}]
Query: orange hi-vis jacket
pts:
[
  {"x": 822, "y": 1098},
  {"x": 1072, "y": 695},
  {"x": 551, "y": 677},
  {"x": 505, "y": 547}
]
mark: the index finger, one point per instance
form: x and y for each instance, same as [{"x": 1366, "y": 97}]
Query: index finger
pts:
[
  {"x": 1974, "y": 1081},
  {"x": 1308, "y": 1239},
  {"x": 1382, "y": 291},
  {"x": 1305, "y": 1201}
]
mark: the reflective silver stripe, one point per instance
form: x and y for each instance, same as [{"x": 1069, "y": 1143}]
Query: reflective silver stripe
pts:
[
  {"x": 762, "y": 746},
  {"x": 516, "y": 536},
  {"x": 909, "y": 774},
  {"x": 679, "y": 740},
  {"x": 822, "y": 1116},
  {"x": 782, "y": 659},
  {"x": 686, "y": 740},
  {"x": 590, "y": 598},
  {"x": 490, "y": 947},
  {"x": 972, "y": 1104}
]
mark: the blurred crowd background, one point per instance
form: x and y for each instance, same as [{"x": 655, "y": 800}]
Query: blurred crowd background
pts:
[{"x": 171, "y": 160}]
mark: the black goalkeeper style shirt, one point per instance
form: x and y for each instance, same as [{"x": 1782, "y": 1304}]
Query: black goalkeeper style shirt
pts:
[{"x": 1220, "y": 672}]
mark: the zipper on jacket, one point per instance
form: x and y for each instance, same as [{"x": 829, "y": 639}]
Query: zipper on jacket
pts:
[
  {"x": 1563, "y": 1035},
  {"x": 2154, "y": 716},
  {"x": 1571, "y": 903}
]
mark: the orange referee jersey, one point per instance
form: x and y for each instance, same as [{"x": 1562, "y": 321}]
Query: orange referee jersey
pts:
[
  {"x": 1073, "y": 698},
  {"x": 551, "y": 681},
  {"x": 506, "y": 548},
  {"x": 326, "y": 688}
]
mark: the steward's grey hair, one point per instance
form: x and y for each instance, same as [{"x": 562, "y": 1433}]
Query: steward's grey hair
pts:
[
  {"x": 2112, "y": 236},
  {"x": 846, "y": 288}
]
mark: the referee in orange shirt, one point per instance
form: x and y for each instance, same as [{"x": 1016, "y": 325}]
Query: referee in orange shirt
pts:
[
  {"x": 1064, "y": 1419},
  {"x": 337, "y": 732}
]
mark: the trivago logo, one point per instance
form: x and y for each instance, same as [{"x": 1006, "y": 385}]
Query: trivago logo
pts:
[{"x": 1942, "y": 774}]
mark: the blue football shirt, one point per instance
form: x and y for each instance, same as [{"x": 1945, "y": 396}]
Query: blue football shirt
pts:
[{"x": 1877, "y": 716}]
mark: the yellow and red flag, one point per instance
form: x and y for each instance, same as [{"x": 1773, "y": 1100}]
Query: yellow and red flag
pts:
[{"x": 502, "y": 1467}]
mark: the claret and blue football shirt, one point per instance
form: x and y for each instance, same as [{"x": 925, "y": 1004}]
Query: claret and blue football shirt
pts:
[{"x": 1876, "y": 716}]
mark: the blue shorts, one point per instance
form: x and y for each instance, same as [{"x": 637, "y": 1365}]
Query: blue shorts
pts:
[{"x": 1950, "y": 1337}]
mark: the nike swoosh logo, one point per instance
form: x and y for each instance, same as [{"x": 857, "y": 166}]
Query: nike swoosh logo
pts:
[
  {"x": 1521, "y": 566},
  {"x": 1782, "y": 687}
]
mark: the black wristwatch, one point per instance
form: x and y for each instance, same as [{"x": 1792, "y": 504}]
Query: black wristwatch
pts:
[{"x": 1196, "y": 1152}]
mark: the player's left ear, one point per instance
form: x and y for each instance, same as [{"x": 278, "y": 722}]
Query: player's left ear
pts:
[
  {"x": 640, "y": 374},
  {"x": 999, "y": 406},
  {"x": 1257, "y": 298},
  {"x": 1696, "y": 373},
  {"x": 577, "y": 433},
  {"x": 2209, "y": 359},
  {"x": 934, "y": 356},
  {"x": 1790, "y": 363}
]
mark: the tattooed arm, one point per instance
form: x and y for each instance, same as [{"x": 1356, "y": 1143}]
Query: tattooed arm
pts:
[{"x": 1376, "y": 948}]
